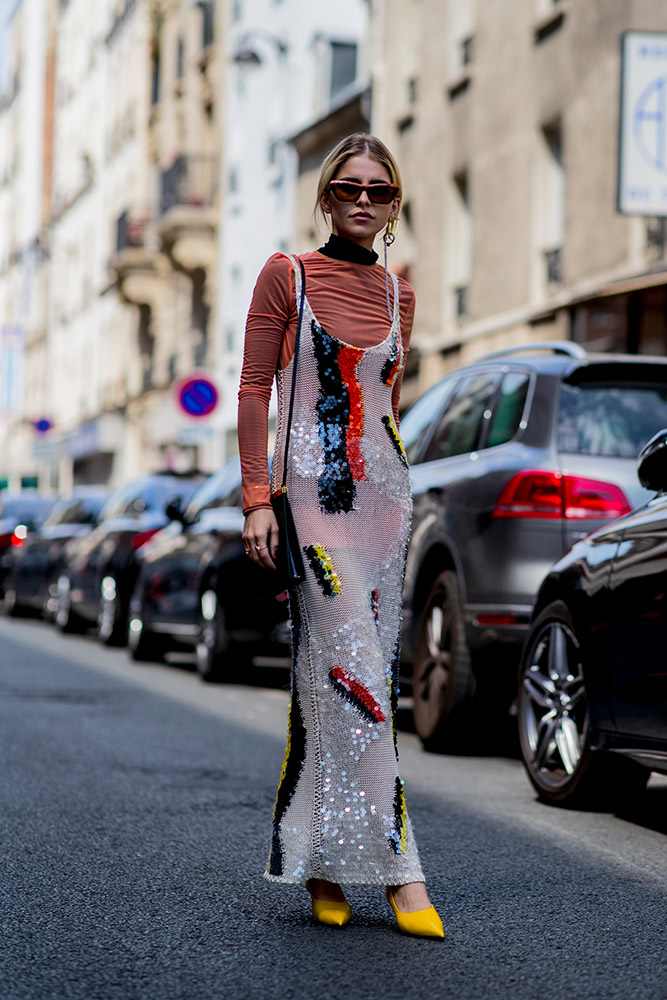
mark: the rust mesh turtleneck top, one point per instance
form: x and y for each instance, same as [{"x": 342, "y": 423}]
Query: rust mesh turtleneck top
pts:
[{"x": 349, "y": 301}]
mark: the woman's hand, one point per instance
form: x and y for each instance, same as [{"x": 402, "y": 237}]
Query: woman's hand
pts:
[{"x": 260, "y": 537}]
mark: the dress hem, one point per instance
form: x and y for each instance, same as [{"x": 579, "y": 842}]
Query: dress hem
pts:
[{"x": 378, "y": 880}]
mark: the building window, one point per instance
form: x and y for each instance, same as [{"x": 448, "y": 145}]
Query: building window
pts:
[
  {"x": 208, "y": 15},
  {"x": 549, "y": 207},
  {"x": 459, "y": 243},
  {"x": 343, "y": 67},
  {"x": 549, "y": 17},
  {"x": 155, "y": 75},
  {"x": 461, "y": 32},
  {"x": 656, "y": 237},
  {"x": 180, "y": 58}
]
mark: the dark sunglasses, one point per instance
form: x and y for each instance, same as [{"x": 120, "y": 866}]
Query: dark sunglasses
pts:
[{"x": 378, "y": 194}]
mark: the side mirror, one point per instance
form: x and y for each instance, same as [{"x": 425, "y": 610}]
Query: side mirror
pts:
[
  {"x": 652, "y": 463},
  {"x": 174, "y": 511}
]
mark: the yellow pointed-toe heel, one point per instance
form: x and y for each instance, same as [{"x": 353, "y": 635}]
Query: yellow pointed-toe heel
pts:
[
  {"x": 419, "y": 923},
  {"x": 333, "y": 912}
]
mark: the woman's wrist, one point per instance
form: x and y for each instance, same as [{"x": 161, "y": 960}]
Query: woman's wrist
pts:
[{"x": 257, "y": 506}]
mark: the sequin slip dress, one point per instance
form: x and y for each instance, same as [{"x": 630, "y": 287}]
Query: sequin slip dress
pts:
[{"x": 340, "y": 811}]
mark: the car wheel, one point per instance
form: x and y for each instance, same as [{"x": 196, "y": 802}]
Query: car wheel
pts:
[
  {"x": 10, "y": 607},
  {"x": 111, "y": 619},
  {"x": 442, "y": 678},
  {"x": 65, "y": 618},
  {"x": 50, "y": 602},
  {"x": 554, "y": 723},
  {"x": 213, "y": 646},
  {"x": 143, "y": 644}
]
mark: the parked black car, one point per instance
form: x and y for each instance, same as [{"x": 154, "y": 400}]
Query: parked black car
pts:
[
  {"x": 592, "y": 703},
  {"x": 196, "y": 588},
  {"x": 514, "y": 458},
  {"x": 19, "y": 513},
  {"x": 99, "y": 571},
  {"x": 32, "y": 581}
]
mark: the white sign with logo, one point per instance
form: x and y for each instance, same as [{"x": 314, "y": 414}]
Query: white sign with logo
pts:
[{"x": 642, "y": 168}]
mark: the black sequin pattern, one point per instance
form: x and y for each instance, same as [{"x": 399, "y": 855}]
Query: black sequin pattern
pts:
[
  {"x": 336, "y": 488},
  {"x": 294, "y": 759}
]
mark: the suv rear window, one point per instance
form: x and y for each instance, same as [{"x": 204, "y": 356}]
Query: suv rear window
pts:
[{"x": 612, "y": 419}]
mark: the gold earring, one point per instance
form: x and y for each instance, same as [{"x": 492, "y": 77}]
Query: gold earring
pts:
[{"x": 390, "y": 230}]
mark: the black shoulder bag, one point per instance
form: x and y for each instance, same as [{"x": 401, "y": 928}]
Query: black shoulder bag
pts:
[{"x": 289, "y": 562}]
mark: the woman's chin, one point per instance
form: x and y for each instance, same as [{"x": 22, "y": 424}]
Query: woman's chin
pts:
[{"x": 358, "y": 234}]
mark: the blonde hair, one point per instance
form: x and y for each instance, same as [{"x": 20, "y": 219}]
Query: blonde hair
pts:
[{"x": 357, "y": 144}]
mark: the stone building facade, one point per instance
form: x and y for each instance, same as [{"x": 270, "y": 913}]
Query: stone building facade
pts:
[{"x": 504, "y": 117}]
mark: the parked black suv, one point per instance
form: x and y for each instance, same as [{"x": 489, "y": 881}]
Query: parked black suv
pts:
[{"x": 514, "y": 458}]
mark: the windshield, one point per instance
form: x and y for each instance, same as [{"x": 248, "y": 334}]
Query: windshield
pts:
[{"x": 611, "y": 419}]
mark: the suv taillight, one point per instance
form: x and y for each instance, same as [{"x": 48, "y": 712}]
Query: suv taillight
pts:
[
  {"x": 142, "y": 537},
  {"x": 534, "y": 493}
]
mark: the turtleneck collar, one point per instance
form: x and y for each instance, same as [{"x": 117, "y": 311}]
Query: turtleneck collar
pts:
[{"x": 340, "y": 248}]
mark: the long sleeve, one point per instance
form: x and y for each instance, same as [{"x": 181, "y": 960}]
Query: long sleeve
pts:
[{"x": 268, "y": 319}]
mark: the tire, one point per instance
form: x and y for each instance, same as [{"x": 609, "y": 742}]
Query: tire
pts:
[
  {"x": 111, "y": 619},
  {"x": 65, "y": 618},
  {"x": 213, "y": 645},
  {"x": 50, "y": 602},
  {"x": 10, "y": 606},
  {"x": 442, "y": 679},
  {"x": 143, "y": 645},
  {"x": 554, "y": 722}
]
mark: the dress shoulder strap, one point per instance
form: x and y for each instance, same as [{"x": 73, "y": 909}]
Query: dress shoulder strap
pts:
[
  {"x": 296, "y": 266},
  {"x": 397, "y": 297}
]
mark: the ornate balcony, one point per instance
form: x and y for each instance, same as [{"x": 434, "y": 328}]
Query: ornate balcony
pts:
[
  {"x": 188, "y": 222},
  {"x": 136, "y": 262}
]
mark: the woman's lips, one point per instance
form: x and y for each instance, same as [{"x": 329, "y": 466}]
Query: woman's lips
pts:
[{"x": 362, "y": 215}]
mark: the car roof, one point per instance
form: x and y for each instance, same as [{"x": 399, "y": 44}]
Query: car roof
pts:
[{"x": 550, "y": 359}]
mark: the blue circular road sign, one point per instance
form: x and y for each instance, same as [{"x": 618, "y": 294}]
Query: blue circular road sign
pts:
[{"x": 197, "y": 395}]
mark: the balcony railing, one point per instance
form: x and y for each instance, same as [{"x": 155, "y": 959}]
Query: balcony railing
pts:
[
  {"x": 130, "y": 231},
  {"x": 190, "y": 180}
]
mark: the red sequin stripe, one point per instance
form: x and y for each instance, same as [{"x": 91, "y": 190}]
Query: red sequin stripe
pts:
[
  {"x": 393, "y": 371},
  {"x": 358, "y": 694},
  {"x": 348, "y": 359}
]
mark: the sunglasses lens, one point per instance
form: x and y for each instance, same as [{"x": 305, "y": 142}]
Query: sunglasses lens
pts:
[
  {"x": 381, "y": 194},
  {"x": 346, "y": 190}
]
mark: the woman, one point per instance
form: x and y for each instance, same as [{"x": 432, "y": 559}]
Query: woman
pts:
[{"x": 340, "y": 815}]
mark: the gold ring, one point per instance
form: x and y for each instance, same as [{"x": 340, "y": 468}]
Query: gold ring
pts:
[{"x": 247, "y": 551}]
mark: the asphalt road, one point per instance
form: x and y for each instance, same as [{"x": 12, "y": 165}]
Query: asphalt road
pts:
[{"x": 134, "y": 827}]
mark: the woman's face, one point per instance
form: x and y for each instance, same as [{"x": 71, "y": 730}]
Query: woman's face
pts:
[{"x": 360, "y": 220}]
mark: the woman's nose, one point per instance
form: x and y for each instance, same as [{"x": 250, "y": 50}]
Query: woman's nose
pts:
[{"x": 363, "y": 198}]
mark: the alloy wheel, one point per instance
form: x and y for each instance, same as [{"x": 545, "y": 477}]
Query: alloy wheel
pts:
[{"x": 553, "y": 713}]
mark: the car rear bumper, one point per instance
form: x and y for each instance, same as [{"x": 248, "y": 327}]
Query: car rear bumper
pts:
[{"x": 490, "y": 624}]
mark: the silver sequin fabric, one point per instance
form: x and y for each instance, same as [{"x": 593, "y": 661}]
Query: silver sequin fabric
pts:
[{"x": 340, "y": 812}]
